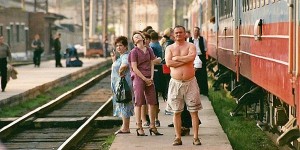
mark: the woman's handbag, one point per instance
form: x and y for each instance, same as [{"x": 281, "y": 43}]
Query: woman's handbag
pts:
[{"x": 124, "y": 94}]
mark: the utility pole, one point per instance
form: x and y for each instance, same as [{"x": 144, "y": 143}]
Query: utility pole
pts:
[
  {"x": 174, "y": 14},
  {"x": 83, "y": 26},
  {"x": 91, "y": 24},
  {"x": 128, "y": 19},
  {"x": 35, "y": 5},
  {"x": 23, "y": 5},
  {"x": 104, "y": 33},
  {"x": 46, "y": 5}
]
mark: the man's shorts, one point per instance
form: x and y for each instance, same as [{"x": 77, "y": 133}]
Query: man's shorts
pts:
[{"x": 181, "y": 92}]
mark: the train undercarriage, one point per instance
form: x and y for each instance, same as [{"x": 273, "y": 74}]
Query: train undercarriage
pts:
[{"x": 272, "y": 114}]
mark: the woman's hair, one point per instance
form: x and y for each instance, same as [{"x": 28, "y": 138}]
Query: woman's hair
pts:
[
  {"x": 167, "y": 32},
  {"x": 121, "y": 39},
  {"x": 146, "y": 35}
]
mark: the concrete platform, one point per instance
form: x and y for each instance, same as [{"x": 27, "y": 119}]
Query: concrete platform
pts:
[
  {"x": 32, "y": 81},
  {"x": 210, "y": 132}
]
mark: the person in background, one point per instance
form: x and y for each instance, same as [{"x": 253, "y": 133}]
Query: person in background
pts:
[
  {"x": 142, "y": 66},
  {"x": 187, "y": 35},
  {"x": 157, "y": 50},
  {"x": 199, "y": 42},
  {"x": 144, "y": 114},
  {"x": 5, "y": 55},
  {"x": 167, "y": 39},
  {"x": 38, "y": 46},
  {"x": 121, "y": 68},
  {"x": 183, "y": 87},
  {"x": 57, "y": 48}
]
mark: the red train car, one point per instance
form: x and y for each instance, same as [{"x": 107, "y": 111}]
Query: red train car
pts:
[{"x": 256, "y": 46}]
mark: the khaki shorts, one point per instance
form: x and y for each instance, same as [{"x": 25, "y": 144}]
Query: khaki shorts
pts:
[{"x": 181, "y": 92}]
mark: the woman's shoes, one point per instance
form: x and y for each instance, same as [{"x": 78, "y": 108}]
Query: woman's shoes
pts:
[
  {"x": 121, "y": 132},
  {"x": 154, "y": 131},
  {"x": 142, "y": 133}
]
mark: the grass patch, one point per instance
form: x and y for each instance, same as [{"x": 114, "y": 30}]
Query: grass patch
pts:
[
  {"x": 242, "y": 132},
  {"x": 31, "y": 104},
  {"x": 109, "y": 140}
]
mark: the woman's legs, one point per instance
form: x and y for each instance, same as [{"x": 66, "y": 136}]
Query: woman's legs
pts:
[
  {"x": 125, "y": 125},
  {"x": 144, "y": 112},
  {"x": 152, "y": 113},
  {"x": 137, "y": 112}
]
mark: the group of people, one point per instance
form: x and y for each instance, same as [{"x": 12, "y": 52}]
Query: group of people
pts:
[
  {"x": 38, "y": 49},
  {"x": 140, "y": 67}
]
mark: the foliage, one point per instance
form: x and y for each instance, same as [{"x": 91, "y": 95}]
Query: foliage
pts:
[
  {"x": 108, "y": 142},
  {"x": 242, "y": 132}
]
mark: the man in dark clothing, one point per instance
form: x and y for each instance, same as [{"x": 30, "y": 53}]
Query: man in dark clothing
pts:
[
  {"x": 199, "y": 42},
  {"x": 4, "y": 54},
  {"x": 38, "y": 46},
  {"x": 57, "y": 48}
]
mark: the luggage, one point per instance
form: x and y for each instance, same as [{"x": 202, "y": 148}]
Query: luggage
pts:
[{"x": 75, "y": 63}]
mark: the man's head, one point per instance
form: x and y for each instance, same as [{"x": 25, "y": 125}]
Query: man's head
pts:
[
  {"x": 196, "y": 32},
  {"x": 179, "y": 32},
  {"x": 58, "y": 35},
  {"x": 188, "y": 34},
  {"x": 36, "y": 36}
]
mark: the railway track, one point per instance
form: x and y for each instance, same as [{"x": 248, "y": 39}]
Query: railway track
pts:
[{"x": 63, "y": 122}]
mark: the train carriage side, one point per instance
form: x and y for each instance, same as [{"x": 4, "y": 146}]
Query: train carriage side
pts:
[
  {"x": 265, "y": 46},
  {"x": 265, "y": 60}
]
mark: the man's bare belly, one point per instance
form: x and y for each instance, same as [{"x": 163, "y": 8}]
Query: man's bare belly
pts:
[{"x": 183, "y": 73}]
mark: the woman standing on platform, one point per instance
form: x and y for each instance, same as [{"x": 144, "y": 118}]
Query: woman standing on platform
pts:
[
  {"x": 120, "y": 68},
  {"x": 142, "y": 69}
]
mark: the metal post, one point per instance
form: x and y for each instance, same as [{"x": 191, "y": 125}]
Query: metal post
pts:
[
  {"x": 174, "y": 14},
  {"x": 83, "y": 26},
  {"x": 47, "y": 6},
  {"x": 35, "y": 4},
  {"x": 104, "y": 33},
  {"x": 128, "y": 19},
  {"x": 91, "y": 24}
]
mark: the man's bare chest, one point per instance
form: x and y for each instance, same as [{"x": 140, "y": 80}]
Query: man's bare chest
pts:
[{"x": 180, "y": 51}]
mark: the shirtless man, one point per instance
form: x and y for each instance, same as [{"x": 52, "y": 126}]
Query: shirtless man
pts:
[{"x": 183, "y": 87}]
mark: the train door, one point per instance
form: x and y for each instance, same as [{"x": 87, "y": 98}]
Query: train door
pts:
[{"x": 236, "y": 34}]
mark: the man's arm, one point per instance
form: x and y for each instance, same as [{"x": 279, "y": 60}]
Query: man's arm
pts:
[
  {"x": 189, "y": 57},
  {"x": 9, "y": 54},
  {"x": 169, "y": 61}
]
